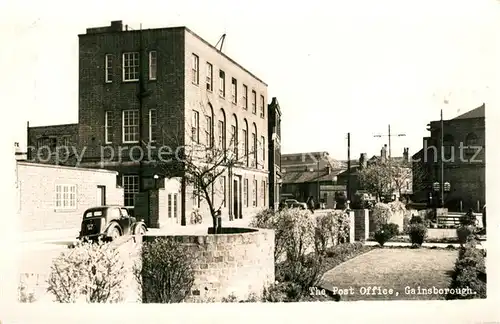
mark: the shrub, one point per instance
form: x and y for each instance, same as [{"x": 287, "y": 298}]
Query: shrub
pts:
[
  {"x": 277, "y": 292},
  {"x": 417, "y": 233},
  {"x": 465, "y": 233},
  {"x": 386, "y": 232},
  {"x": 381, "y": 215},
  {"x": 23, "y": 295},
  {"x": 470, "y": 272},
  {"x": 330, "y": 229},
  {"x": 89, "y": 272},
  {"x": 166, "y": 274}
]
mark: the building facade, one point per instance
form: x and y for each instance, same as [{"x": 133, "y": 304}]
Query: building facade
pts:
[
  {"x": 274, "y": 161},
  {"x": 144, "y": 92},
  {"x": 463, "y": 163}
]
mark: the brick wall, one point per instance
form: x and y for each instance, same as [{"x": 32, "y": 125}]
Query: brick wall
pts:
[
  {"x": 361, "y": 224},
  {"x": 64, "y": 155},
  {"x": 226, "y": 264},
  {"x": 37, "y": 194}
]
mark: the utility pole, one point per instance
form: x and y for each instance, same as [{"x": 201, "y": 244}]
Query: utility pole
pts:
[
  {"x": 349, "y": 166},
  {"x": 442, "y": 162},
  {"x": 389, "y": 135}
]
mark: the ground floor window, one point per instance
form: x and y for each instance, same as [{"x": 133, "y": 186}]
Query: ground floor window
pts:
[
  {"x": 130, "y": 188},
  {"x": 65, "y": 197},
  {"x": 172, "y": 205}
]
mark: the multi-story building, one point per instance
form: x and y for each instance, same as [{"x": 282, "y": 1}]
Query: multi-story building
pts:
[
  {"x": 274, "y": 161},
  {"x": 463, "y": 163},
  {"x": 168, "y": 87}
]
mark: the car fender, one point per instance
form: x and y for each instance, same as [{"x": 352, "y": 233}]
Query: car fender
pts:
[
  {"x": 139, "y": 223},
  {"x": 111, "y": 224}
]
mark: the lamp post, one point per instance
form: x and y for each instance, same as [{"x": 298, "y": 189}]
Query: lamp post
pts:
[{"x": 156, "y": 177}]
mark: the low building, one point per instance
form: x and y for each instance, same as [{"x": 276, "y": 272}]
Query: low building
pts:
[{"x": 463, "y": 163}]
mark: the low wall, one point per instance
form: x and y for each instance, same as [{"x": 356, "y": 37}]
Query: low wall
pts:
[
  {"x": 441, "y": 233},
  {"x": 236, "y": 264},
  {"x": 361, "y": 224}
]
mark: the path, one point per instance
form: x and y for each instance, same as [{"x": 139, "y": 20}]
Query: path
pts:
[{"x": 392, "y": 269}]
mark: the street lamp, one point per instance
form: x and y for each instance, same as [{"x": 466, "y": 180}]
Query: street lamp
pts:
[{"x": 156, "y": 177}]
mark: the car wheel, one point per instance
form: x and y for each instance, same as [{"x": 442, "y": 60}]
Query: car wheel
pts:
[
  {"x": 139, "y": 231},
  {"x": 114, "y": 233}
]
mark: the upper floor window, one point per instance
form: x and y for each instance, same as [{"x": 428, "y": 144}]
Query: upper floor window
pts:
[
  {"x": 152, "y": 65},
  {"x": 131, "y": 66},
  {"x": 262, "y": 105},
  {"x": 263, "y": 140},
  {"x": 254, "y": 102},
  {"x": 245, "y": 97},
  {"x": 153, "y": 125},
  {"x": 222, "y": 83},
  {"x": 195, "y": 136},
  {"x": 130, "y": 129},
  {"x": 208, "y": 131},
  {"x": 108, "y": 127},
  {"x": 108, "y": 62},
  {"x": 195, "y": 69},
  {"x": 471, "y": 140},
  {"x": 210, "y": 74},
  {"x": 234, "y": 90}
]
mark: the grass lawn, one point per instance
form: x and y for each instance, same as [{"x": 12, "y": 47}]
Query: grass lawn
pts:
[{"x": 393, "y": 269}]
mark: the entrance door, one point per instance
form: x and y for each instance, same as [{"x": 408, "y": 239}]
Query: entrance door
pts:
[
  {"x": 236, "y": 204},
  {"x": 101, "y": 195}
]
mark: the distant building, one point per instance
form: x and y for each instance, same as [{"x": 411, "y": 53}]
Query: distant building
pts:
[
  {"x": 463, "y": 164},
  {"x": 274, "y": 159}
]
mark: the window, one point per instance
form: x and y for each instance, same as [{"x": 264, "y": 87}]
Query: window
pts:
[
  {"x": 245, "y": 192},
  {"x": 254, "y": 102},
  {"x": 195, "y": 136},
  {"x": 262, "y": 104},
  {"x": 152, "y": 65},
  {"x": 221, "y": 129},
  {"x": 471, "y": 140},
  {"x": 234, "y": 90},
  {"x": 108, "y": 63},
  {"x": 254, "y": 193},
  {"x": 108, "y": 127},
  {"x": 263, "y": 192},
  {"x": 65, "y": 197},
  {"x": 234, "y": 142},
  {"x": 153, "y": 125},
  {"x": 254, "y": 145},
  {"x": 130, "y": 126},
  {"x": 131, "y": 66},
  {"x": 245, "y": 97},
  {"x": 175, "y": 205},
  {"x": 222, "y": 84},
  {"x": 448, "y": 142},
  {"x": 245, "y": 144},
  {"x": 208, "y": 131},
  {"x": 169, "y": 206},
  {"x": 263, "y": 142},
  {"x": 65, "y": 141},
  {"x": 195, "y": 69},
  {"x": 210, "y": 75},
  {"x": 223, "y": 186},
  {"x": 130, "y": 188}
]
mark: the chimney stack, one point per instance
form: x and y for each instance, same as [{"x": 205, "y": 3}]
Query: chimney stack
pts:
[
  {"x": 363, "y": 161},
  {"x": 383, "y": 153},
  {"x": 406, "y": 156}
]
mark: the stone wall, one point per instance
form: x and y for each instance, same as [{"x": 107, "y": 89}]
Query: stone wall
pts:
[
  {"x": 230, "y": 264},
  {"x": 361, "y": 224}
]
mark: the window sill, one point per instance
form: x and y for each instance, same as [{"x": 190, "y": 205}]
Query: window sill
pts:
[
  {"x": 71, "y": 210},
  {"x": 196, "y": 84},
  {"x": 133, "y": 142},
  {"x": 222, "y": 97},
  {"x": 130, "y": 81}
]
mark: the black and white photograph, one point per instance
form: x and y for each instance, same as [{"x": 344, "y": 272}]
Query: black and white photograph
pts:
[{"x": 251, "y": 152}]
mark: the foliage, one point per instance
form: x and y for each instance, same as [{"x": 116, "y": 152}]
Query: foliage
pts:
[
  {"x": 466, "y": 233},
  {"x": 252, "y": 298},
  {"x": 468, "y": 220},
  {"x": 386, "y": 232},
  {"x": 90, "y": 272},
  {"x": 417, "y": 233},
  {"x": 166, "y": 274},
  {"x": 23, "y": 295},
  {"x": 331, "y": 228},
  {"x": 470, "y": 272},
  {"x": 397, "y": 207},
  {"x": 381, "y": 215}
]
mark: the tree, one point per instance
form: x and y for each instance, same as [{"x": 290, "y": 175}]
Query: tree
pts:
[
  {"x": 389, "y": 176},
  {"x": 201, "y": 161}
]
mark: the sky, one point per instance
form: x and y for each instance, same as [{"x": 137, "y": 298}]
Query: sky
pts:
[{"x": 336, "y": 67}]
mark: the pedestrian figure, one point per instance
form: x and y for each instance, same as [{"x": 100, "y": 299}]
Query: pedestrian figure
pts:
[{"x": 310, "y": 204}]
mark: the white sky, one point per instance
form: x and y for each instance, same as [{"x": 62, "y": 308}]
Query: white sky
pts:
[{"x": 335, "y": 66}]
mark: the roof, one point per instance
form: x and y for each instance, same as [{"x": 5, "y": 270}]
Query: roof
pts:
[
  {"x": 54, "y": 166},
  {"x": 474, "y": 113},
  {"x": 305, "y": 176}
]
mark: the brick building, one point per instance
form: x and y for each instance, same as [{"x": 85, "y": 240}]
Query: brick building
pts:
[
  {"x": 274, "y": 135},
  {"x": 140, "y": 89},
  {"x": 463, "y": 163}
]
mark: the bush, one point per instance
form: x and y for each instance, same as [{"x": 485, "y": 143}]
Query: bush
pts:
[
  {"x": 23, "y": 295},
  {"x": 470, "y": 272},
  {"x": 381, "y": 215},
  {"x": 331, "y": 228},
  {"x": 300, "y": 274},
  {"x": 417, "y": 233},
  {"x": 89, "y": 272},
  {"x": 465, "y": 233},
  {"x": 386, "y": 232},
  {"x": 166, "y": 274}
]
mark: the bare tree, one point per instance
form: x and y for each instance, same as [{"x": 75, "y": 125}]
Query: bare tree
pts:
[{"x": 201, "y": 158}]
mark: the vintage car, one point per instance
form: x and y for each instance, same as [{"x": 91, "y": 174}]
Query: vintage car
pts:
[{"x": 108, "y": 223}]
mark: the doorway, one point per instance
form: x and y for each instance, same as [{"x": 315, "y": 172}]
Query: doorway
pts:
[
  {"x": 236, "y": 205},
  {"x": 101, "y": 195}
]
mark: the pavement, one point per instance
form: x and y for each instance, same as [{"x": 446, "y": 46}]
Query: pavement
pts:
[{"x": 480, "y": 245}]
